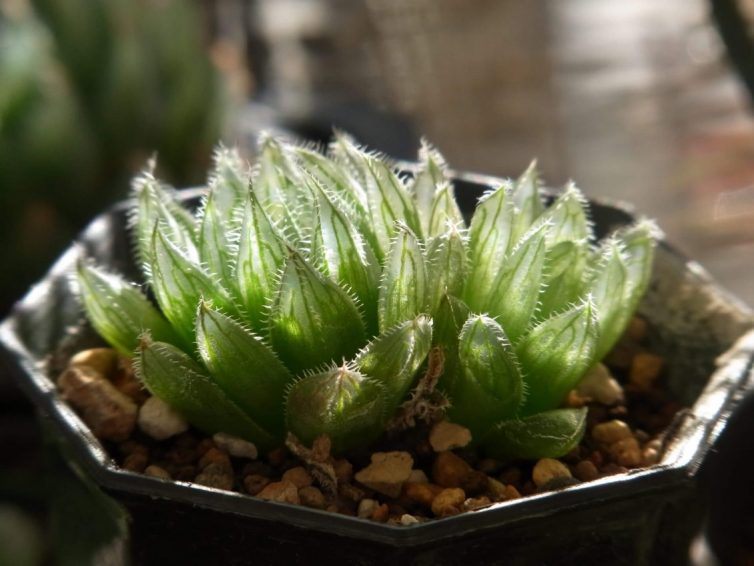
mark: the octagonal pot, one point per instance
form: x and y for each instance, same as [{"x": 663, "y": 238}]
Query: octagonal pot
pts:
[{"x": 645, "y": 516}]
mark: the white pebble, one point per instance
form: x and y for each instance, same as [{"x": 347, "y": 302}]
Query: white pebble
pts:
[
  {"x": 601, "y": 386},
  {"x": 158, "y": 420},
  {"x": 366, "y": 508},
  {"x": 235, "y": 446},
  {"x": 407, "y": 519}
]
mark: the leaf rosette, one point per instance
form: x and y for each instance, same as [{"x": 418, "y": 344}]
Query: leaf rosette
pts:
[{"x": 304, "y": 295}]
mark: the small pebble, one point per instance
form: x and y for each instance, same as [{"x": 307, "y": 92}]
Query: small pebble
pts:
[
  {"x": 387, "y": 472},
  {"x": 366, "y": 507},
  {"x": 626, "y": 452},
  {"x": 601, "y": 386},
  {"x": 448, "y": 502},
  {"x": 418, "y": 476},
  {"x": 476, "y": 503},
  {"x": 611, "y": 432},
  {"x": 311, "y": 496},
  {"x": 217, "y": 476},
  {"x": 559, "y": 483},
  {"x": 215, "y": 456},
  {"x": 381, "y": 513},
  {"x": 237, "y": 447},
  {"x": 586, "y": 471},
  {"x": 298, "y": 476},
  {"x": 407, "y": 520},
  {"x": 611, "y": 469},
  {"x": 136, "y": 461},
  {"x": 512, "y": 493},
  {"x": 254, "y": 483},
  {"x": 157, "y": 472},
  {"x": 204, "y": 445},
  {"x": 449, "y": 470},
  {"x": 280, "y": 491},
  {"x": 102, "y": 360},
  {"x": 158, "y": 420},
  {"x": 110, "y": 414},
  {"x": 497, "y": 489},
  {"x": 421, "y": 493},
  {"x": 547, "y": 469},
  {"x": 650, "y": 454},
  {"x": 645, "y": 369},
  {"x": 447, "y": 436}
]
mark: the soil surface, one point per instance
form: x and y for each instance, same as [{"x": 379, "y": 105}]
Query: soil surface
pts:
[{"x": 416, "y": 475}]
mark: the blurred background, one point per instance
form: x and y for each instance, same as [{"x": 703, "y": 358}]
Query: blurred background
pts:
[{"x": 644, "y": 101}]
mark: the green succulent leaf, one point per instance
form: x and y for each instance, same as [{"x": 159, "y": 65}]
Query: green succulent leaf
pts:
[
  {"x": 448, "y": 321},
  {"x": 639, "y": 243},
  {"x": 336, "y": 180},
  {"x": 488, "y": 388},
  {"x": 489, "y": 240},
  {"x": 261, "y": 253},
  {"x": 567, "y": 218},
  {"x": 555, "y": 354},
  {"x": 550, "y": 434},
  {"x": 394, "y": 357},
  {"x": 447, "y": 264},
  {"x": 403, "y": 290},
  {"x": 280, "y": 188},
  {"x": 118, "y": 310},
  {"x": 609, "y": 287},
  {"x": 347, "y": 258},
  {"x": 513, "y": 297},
  {"x": 431, "y": 176},
  {"x": 444, "y": 211},
  {"x": 156, "y": 205},
  {"x": 565, "y": 269},
  {"x": 527, "y": 201},
  {"x": 340, "y": 402},
  {"x": 620, "y": 280},
  {"x": 273, "y": 180},
  {"x": 389, "y": 201},
  {"x": 243, "y": 366},
  {"x": 177, "y": 379},
  {"x": 214, "y": 239},
  {"x": 179, "y": 284},
  {"x": 312, "y": 320},
  {"x": 230, "y": 181}
]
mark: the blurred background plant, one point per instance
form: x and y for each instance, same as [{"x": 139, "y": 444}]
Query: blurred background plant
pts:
[{"x": 88, "y": 91}]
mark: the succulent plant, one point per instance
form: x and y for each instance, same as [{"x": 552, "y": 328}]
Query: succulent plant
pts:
[{"x": 306, "y": 294}]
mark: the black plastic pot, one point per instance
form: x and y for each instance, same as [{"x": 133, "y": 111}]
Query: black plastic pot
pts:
[{"x": 641, "y": 517}]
